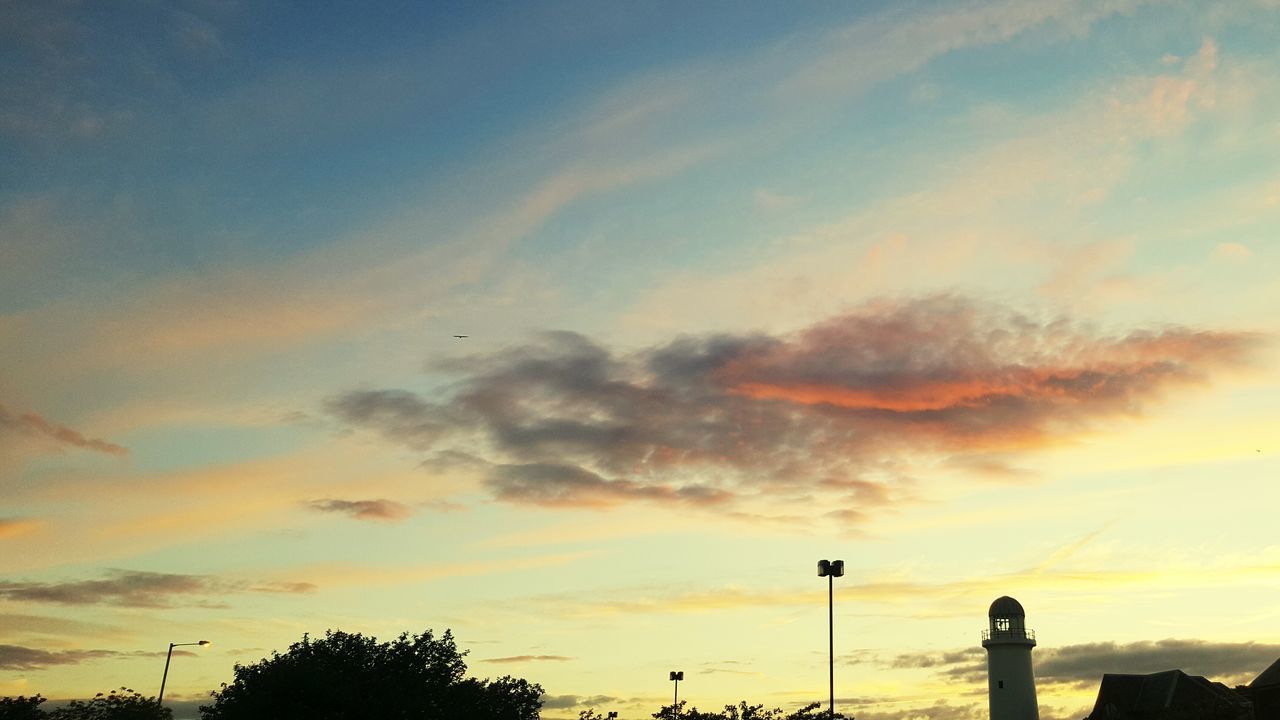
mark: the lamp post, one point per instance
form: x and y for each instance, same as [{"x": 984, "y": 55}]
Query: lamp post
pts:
[
  {"x": 676, "y": 677},
  {"x": 160, "y": 698},
  {"x": 831, "y": 570}
]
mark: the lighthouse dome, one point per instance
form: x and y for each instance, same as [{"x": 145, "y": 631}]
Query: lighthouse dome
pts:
[{"x": 1007, "y": 607}]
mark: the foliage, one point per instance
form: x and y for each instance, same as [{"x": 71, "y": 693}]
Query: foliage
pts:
[
  {"x": 122, "y": 704},
  {"x": 744, "y": 711},
  {"x": 21, "y": 708},
  {"x": 349, "y": 676}
]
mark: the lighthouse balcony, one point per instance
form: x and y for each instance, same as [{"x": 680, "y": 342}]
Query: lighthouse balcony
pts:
[{"x": 1010, "y": 636}]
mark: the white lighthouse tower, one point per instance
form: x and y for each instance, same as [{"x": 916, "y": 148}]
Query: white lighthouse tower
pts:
[{"x": 1011, "y": 686}]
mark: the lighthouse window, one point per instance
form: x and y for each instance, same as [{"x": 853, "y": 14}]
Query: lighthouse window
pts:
[
  {"x": 1000, "y": 684},
  {"x": 1002, "y": 624}
]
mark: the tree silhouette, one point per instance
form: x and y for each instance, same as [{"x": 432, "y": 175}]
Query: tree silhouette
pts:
[
  {"x": 350, "y": 677},
  {"x": 122, "y": 704},
  {"x": 742, "y": 711},
  {"x": 21, "y": 708}
]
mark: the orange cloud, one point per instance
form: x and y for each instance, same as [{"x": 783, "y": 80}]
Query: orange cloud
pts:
[
  {"x": 722, "y": 420},
  {"x": 14, "y": 527}
]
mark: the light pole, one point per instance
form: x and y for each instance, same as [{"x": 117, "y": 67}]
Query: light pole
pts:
[
  {"x": 160, "y": 698},
  {"x": 831, "y": 570},
  {"x": 676, "y": 677}
]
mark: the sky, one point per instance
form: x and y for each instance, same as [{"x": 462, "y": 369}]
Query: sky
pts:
[{"x": 978, "y": 297}]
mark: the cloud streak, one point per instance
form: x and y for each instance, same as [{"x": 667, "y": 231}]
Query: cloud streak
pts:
[
  {"x": 1084, "y": 665},
  {"x": 34, "y": 425},
  {"x": 528, "y": 658},
  {"x": 17, "y": 657},
  {"x": 715, "y": 419},
  {"x": 380, "y": 510},
  {"x": 127, "y": 588},
  {"x": 15, "y": 526}
]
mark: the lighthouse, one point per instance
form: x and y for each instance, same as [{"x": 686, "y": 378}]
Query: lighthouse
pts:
[{"x": 1011, "y": 686}]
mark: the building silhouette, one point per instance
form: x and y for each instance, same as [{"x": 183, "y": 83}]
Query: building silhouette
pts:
[
  {"x": 1011, "y": 684},
  {"x": 1175, "y": 695}
]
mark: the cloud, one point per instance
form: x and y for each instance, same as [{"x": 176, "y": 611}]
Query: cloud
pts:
[
  {"x": 560, "y": 702},
  {"x": 941, "y": 710},
  {"x": 527, "y": 658},
  {"x": 15, "y": 526},
  {"x": 13, "y": 624},
  {"x": 16, "y": 657},
  {"x": 916, "y": 597},
  {"x": 379, "y": 510},
  {"x": 1231, "y": 251},
  {"x": 35, "y": 425},
  {"x": 1084, "y": 665},
  {"x": 553, "y": 484},
  {"x": 128, "y": 588},
  {"x": 717, "y": 419}
]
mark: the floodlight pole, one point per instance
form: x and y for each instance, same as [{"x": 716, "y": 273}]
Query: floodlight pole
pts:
[
  {"x": 831, "y": 569},
  {"x": 676, "y": 677},
  {"x": 831, "y": 642}
]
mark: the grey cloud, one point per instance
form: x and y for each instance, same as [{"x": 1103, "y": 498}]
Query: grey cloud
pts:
[
  {"x": 567, "y": 421},
  {"x": 128, "y": 588},
  {"x": 941, "y": 710},
  {"x": 1085, "y": 664},
  {"x": 527, "y": 658},
  {"x": 380, "y": 509},
  {"x": 552, "y": 484},
  {"x": 560, "y": 702},
  {"x": 16, "y": 657},
  {"x": 13, "y": 623},
  {"x": 397, "y": 414}
]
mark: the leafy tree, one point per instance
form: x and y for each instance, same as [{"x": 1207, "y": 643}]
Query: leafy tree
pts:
[
  {"x": 351, "y": 677},
  {"x": 21, "y": 708},
  {"x": 122, "y": 704},
  {"x": 744, "y": 711}
]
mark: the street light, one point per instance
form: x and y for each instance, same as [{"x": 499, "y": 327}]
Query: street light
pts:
[
  {"x": 160, "y": 698},
  {"x": 676, "y": 677},
  {"x": 831, "y": 570}
]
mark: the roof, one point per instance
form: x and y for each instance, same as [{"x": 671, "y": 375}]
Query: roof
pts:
[
  {"x": 1150, "y": 695},
  {"x": 1005, "y": 606},
  {"x": 1270, "y": 676}
]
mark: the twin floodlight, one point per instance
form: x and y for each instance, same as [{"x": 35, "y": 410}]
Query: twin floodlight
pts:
[{"x": 832, "y": 568}]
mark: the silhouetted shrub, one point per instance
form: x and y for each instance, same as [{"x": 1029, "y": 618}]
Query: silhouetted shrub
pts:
[{"x": 349, "y": 677}]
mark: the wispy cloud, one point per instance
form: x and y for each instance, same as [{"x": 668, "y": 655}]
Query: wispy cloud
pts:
[
  {"x": 941, "y": 710},
  {"x": 379, "y": 510},
  {"x": 528, "y": 658},
  {"x": 128, "y": 588},
  {"x": 560, "y": 702},
  {"x": 15, "y": 526},
  {"x": 1085, "y": 664},
  {"x": 344, "y": 575},
  {"x": 711, "y": 420},
  {"x": 17, "y": 657},
  {"x": 35, "y": 425},
  {"x": 918, "y": 597}
]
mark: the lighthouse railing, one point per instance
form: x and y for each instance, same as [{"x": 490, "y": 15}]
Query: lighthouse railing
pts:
[{"x": 1013, "y": 634}]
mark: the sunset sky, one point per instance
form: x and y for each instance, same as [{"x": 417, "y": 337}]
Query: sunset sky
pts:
[{"x": 981, "y": 298}]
